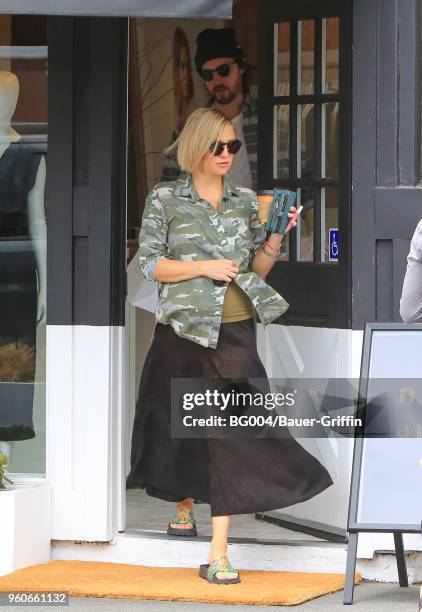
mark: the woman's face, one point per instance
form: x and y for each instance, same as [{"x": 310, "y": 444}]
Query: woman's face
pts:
[
  {"x": 184, "y": 72},
  {"x": 219, "y": 164}
]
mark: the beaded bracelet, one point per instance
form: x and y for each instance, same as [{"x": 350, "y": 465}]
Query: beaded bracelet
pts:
[
  {"x": 276, "y": 252},
  {"x": 268, "y": 254},
  {"x": 272, "y": 255}
]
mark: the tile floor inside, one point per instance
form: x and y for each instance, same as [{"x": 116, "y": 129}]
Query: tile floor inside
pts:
[{"x": 145, "y": 513}]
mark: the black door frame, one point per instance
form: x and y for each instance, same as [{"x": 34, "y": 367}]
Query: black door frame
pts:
[{"x": 86, "y": 188}]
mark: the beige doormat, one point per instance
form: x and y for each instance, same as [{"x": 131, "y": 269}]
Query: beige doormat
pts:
[{"x": 123, "y": 581}]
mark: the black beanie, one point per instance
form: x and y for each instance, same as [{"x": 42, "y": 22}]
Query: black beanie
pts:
[{"x": 212, "y": 43}]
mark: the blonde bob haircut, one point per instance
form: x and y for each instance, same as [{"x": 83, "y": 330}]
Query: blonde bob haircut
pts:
[{"x": 203, "y": 127}]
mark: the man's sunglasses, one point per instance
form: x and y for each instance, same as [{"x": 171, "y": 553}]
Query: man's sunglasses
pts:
[
  {"x": 233, "y": 146},
  {"x": 222, "y": 70}
]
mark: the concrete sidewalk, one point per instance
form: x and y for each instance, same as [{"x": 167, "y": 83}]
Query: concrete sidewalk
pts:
[{"x": 368, "y": 597}]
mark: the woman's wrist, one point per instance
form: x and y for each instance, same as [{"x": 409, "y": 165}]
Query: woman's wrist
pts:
[
  {"x": 270, "y": 251},
  {"x": 201, "y": 267},
  {"x": 275, "y": 240}
]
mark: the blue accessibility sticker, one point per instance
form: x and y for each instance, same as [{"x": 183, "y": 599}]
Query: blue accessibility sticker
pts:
[{"x": 333, "y": 239}]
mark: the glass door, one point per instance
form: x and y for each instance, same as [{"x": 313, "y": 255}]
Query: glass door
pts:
[
  {"x": 305, "y": 145},
  {"x": 304, "y": 115}
]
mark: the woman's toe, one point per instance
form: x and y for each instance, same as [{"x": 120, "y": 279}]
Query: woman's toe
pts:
[{"x": 226, "y": 575}]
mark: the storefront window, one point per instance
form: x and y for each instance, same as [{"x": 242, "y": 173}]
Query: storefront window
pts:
[{"x": 23, "y": 232}]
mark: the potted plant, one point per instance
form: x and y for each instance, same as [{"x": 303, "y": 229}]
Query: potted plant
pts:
[{"x": 3, "y": 463}]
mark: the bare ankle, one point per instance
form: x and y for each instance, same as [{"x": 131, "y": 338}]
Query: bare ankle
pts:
[
  {"x": 217, "y": 551},
  {"x": 185, "y": 502}
]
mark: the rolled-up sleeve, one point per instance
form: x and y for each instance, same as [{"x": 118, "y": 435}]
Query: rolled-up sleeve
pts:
[
  {"x": 153, "y": 235},
  {"x": 257, "y": 228},
  {"x": 411, "y": 298}
]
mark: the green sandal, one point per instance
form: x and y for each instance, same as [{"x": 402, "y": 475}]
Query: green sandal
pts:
[
  {"x": 219, "y": 564},
  {"x": 183, "y": 518}
]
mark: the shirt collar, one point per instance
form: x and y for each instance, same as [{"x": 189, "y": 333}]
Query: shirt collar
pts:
[{"x": 186, "y": 189}]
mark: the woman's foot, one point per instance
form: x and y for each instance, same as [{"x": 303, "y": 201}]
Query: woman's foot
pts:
[
  {"x": 222, "y": 575},
  {"x": 184, "y": 511}
]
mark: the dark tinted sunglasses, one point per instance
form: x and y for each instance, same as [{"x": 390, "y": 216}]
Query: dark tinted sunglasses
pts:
[
  {"x": 222, "y": 70},
  {"x": 233, "y": 146}
]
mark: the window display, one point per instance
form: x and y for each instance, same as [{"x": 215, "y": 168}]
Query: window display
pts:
[{"x": 23, "y": 232}]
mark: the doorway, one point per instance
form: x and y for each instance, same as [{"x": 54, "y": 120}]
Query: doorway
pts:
[
  {"x": 161, "y": 52},
  {"x": 154, "y": 112}
]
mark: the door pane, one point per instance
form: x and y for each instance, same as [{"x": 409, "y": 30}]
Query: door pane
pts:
[
  {"x": 330, "y": 143},
  {"x": 284, "y": 249},
  {"x": 305, "y": 141},
  {"x": 281, "y": 141},
  {"x": 23, "y": 231},
  {"x": 329, "y": 228},
  {"x": 305, "y": 227},
  {"x": 282, "y": 59},
  {"x": 331, "y": 55},
  {"x": 306, "y": 57}
]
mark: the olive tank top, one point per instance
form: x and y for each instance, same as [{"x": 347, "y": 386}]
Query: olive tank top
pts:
[{"x": 237, "y": 306}]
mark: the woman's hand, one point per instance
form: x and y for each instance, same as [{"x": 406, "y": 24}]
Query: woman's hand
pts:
[
  {"x": 219, "y": 269},
  {"x": 265, "y": 258},
  {"x": 293, "y": 215}
]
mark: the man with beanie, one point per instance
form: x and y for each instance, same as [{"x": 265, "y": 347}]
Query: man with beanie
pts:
[{"x": 220, "y": 63}]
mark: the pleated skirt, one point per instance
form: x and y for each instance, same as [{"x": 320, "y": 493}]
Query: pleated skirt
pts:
[{"x": 232, "y": 475}]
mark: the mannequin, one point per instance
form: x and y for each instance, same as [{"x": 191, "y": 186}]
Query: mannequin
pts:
[{"x": 22, "y": 254}]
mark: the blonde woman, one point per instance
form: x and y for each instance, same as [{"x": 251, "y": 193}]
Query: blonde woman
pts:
[{"x": 202, "y": 240}]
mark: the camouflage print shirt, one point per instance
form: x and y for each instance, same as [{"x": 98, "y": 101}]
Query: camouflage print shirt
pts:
[{"x": 178, "y": 224}]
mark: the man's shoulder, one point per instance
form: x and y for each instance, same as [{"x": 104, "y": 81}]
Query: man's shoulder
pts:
[{"x": 250, "y": 107}]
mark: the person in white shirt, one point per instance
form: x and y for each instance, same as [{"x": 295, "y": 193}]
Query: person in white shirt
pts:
[{"x": 411, "y": 298}]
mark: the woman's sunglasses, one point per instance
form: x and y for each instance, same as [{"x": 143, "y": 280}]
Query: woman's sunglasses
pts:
[
  {"x": 233, "y": 146},
  {"x": 222, "y": 70}
]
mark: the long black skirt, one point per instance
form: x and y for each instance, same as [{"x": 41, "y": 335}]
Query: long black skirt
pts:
[{"x": 233, "y": 475}]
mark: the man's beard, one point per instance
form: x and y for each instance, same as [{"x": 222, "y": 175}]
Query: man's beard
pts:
[{"x": 223, "y": 94}]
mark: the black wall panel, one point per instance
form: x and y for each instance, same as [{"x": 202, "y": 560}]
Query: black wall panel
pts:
[
  {"x": 387, "y": 195},
  {"x": 87, "y": 171}
]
